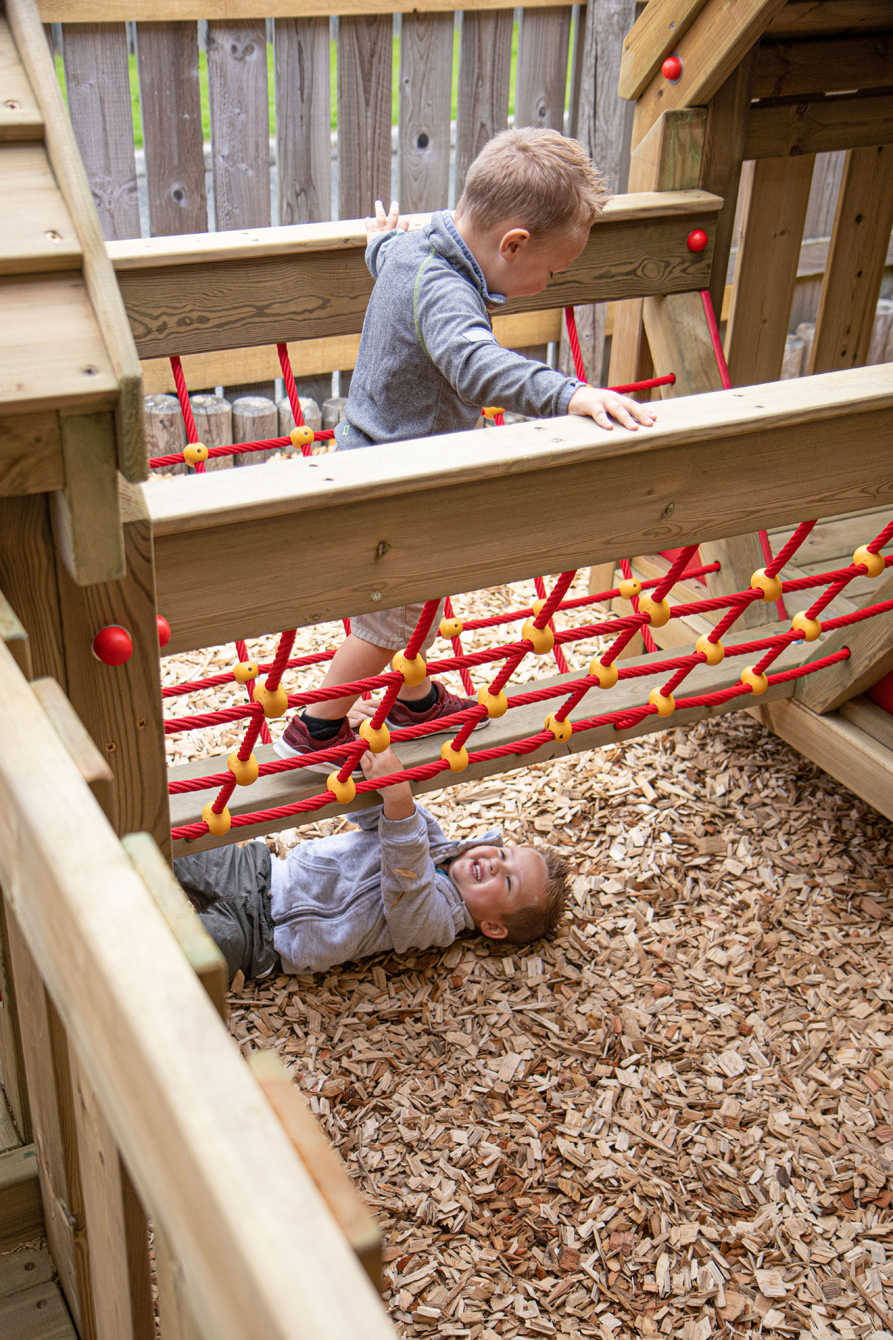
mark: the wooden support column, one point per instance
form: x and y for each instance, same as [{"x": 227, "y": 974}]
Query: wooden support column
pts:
[
  {"x": 856, "y": 260},
  {"x": 871, "y": 657},
  {"x": 728, "y": 113},
  {"x": 12, "y": 1062},
  {"x": 28, "y": 579},
  {"x": 86, "y": 514}
]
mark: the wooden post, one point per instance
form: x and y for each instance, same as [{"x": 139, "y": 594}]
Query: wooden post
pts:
[
  {"x": 12, "y": 1061},
  {"x": 727, "y": 116},
  {"x": 365, "y": 54},
  {"x": 240, "y": 123},
  {"x": 165, "y": 430},
  {"x": 485, "y": 56},
  {"x": 86, "y": 515},
  {"x": 254, "y": 418},
  {"x": 310, "y": 410},
  {"x": 214, "y": 425},
  {"x": 303, "y": 119},
  {"x": 170, "y": 106},
  {"x": 426, "y": 81}
]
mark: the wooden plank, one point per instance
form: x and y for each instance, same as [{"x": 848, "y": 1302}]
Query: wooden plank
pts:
[
  {"x": 90, "y": 763},
  {"x": 30, "y": 453},
  {"x": 174, "y": 1313},
  {"x": 13, "y": 633},
  {"x": 669, "y": 158},
  {"x": 774, "y": 212},
  {"x": 24, "y": 1269},
  {"x": 12, "y": 1061},
  {"x": 36, "y": 230},
  {"x": 170, "y": 108},
  {"x": 730, "y": 462},
  {"x": 201, "y": 952},
  {"x": 313, "y": 294},
  {"x": 28, "y": 579},
  {"x": 805, "y": 18},
  {"x": 789, "y": 69},
  {"x": 9, "y": 1136},
  {"x": 865, "y": 714},
  {"x": 86, "y": 514},
  {"x": 20, "y": 114},
  {"x": 365, "y": 55},
  {"x": 841, "y": 748},
  {"x": 856, "y": 259},
  {"x": 98, "y": 85},
  {"x": 779, "y": 128},
  {"x": 322, "y": 1161},
  {"x": 485, "y": 57},
  {"x": 36, "y": 1314},
  {"x": 205, "y": 1150},
  {"x": 727, "y": 119},
  {"x": 541, "y": 79},
  {"x": 739, "y": 557},
  {"x": 64, "y": 11},
  {"x": 303, "y": 119},
  {"x": 520, "y": 722},
  {"x": 655, "y": 34},
  {"x": 680, "y": 343},
  {"x": 720, "y": 38},
  {"x": 426, "y": 82},
  {"x": 240, "y": 124},
  {"x": 121, "y": 705},
  {"x": 871, "y": 657}
]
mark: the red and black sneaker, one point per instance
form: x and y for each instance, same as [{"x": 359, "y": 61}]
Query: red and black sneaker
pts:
[
  {"x": 447, "y": 705},
  {"x": 296, "y": 739}
]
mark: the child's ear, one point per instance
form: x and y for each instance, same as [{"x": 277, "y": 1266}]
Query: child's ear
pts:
[
  {"x": 513, "y": 241},
  {"x": 493, "y": 930}
]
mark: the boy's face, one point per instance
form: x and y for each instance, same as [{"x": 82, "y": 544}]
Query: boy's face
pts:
[
  {"x": 528, "y": 263},
  {"x": 494, "y": 881}
]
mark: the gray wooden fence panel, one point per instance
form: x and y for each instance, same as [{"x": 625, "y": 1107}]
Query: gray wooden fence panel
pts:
[
  {"x": 365, "y": 60},
  {"x": 426, "y": 82},
  {"x": 542, "y": 67},
  {"x": 485, "y": 59},
  {"x": 240, "y": 123},
  {"x": 96, "y": 76},
  {"x": 170, "y": 103},
  {"x": 303, "y": 120}
]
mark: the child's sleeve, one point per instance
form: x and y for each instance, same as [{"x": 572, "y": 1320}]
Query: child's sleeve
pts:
[
  {"x": 377, "y": 250},
  {"x": 418, "y": 915}
]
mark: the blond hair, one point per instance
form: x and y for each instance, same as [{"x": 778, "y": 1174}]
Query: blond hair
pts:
[
  {"x": 537, "y": 177},
  {"x": 537, "y": 919}
]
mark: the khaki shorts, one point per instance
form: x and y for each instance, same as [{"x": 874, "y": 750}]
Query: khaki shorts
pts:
[{"x": 393, "y": 628}]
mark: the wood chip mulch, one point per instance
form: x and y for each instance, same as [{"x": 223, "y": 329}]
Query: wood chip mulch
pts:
[{"x": 674, "y": 1118}]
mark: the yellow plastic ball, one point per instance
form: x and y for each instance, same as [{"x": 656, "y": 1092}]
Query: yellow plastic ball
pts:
[
  {"x": 810, "y": 629},
  {"x": 274, "y": 702},
  {"x": 457, "y": 758},
  {"x": 770, "y": 586},
  {"x": 605, "y": 674},
  {"x": 757, "y": 683},
  {"x": 630, "y": 587},
  {"x": 874, "y": 563},
  {"x": 450, "y": 627},
  {"x": 245, "y": 671},
  {"x": 413, "y": 671},
  {"x": 344, "y": 792},
  {"x": 490, "y": 411},
  {"x": 301, "y": 437},
  {"x": 658, "y": 612},
  {"x": 378, "y": 740},
  {"x": 664, "y": 702},
  {"x": 245, "y": 771},
  {"x": 537, "y": 606},
  {"x": 713, "y": 652},
  {"x": 543, "y": 639},
  {"x": 218, "y": 824},
  {"x": 195, "y": 452},
  {"x": 497, "y": 704},
  {"x": 562, "y": 730}
]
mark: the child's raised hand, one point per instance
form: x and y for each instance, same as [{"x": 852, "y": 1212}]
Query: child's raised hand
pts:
[
  {"x": 599, "y": 403},
  {"x": 385, "y": 223},
  {"x": 380, "y": 765}
]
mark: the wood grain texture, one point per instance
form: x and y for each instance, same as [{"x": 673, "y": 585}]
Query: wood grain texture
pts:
[
  {"x": 871, "y": 657},
  {"x": 65, "y": 11},
  {"x": 787, "y": 127},
  {"x": 365, "y": 55},
  {"x": 20, "y": 114},
  {"x": 856, "y": 258},
  {"x": 98, "y": 87},
  {"x": 170, "y": 107},
  {"x": 426, "y": 81},
  {"x": 90, "y": 763},
  {"x": 85, "y": 513},
  {"x": 174, "y": 1313},
  {"x": 21, "y": 1213},
  {"x": 806, "y": 18},
  {"x": 766, "y": 272},
  {"x": 541, "y": 79},
  {"x": 28, "y": 579},
  {"x": 303, "y": 118},
  {"x": 485, "y": 57},
  {"x": 12, "y": 1060},
  {"x": 865, "y": 714},
  {"x": 727, "y": 120},
  {"x": 788, "y": 69},
  {"x": 680, "y": 343},
  {"x": 36, "y": 230},
  {"x": 730, "y": 462},
  {"x": 655, "y": 34},
  {"x": 37, "y": 1312},
  {"x": 840, "y": 748},
  {"x": 240, "y": 131},
  {"x": 30, "y": 454}
]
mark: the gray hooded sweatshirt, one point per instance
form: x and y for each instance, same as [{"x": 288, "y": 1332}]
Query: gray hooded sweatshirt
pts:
[
  {"x": 428, "y": 360},
  {"x": 353, "y": 894}
]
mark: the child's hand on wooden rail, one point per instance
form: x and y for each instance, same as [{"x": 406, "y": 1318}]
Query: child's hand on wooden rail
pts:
[
  {"x": 598, "y": 402},
  {"x": 385, "y": 223}
]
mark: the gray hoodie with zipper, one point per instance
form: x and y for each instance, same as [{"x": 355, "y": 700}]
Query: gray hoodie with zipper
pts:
[
  {"x": 353, "y": 894},
  {"x": 428, "y": 359}
]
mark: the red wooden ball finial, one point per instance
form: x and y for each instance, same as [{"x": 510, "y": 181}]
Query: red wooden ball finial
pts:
[
  {"x": 113, "y": 645},
  {"x": 672, "y": 69},
  {"x": 164, "y": 630},
  {"x": 697, "y": 239}
]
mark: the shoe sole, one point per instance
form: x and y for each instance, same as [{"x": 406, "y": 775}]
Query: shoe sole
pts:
[
  {"x": 443, "y": 730},
  {"x": 324, "y": 769}
]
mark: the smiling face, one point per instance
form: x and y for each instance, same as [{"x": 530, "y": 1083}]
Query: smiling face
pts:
[{"x": 496, "y": 881}]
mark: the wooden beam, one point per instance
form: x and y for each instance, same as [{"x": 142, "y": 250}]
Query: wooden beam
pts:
[
  {"x": 859, "y": 241},
  {"x": 20, "y": 114},
  {"x": 86, "y": 514},
  {"x": 90, "y": 763},
  {"x": 13, "y": 633},
  {"x": 12, "y": 1061},
  {"x": 786, "y": 127},
  {"x": 865, "y": 714},
  {"x": 153, "y": 11},
  {"x": 36, "y": 230},
  {"x": 310, "y": 280},
  {"x": 719, "y": 39},
  {"x": 21, "y": 1212},
  {"x": 840, "y": 748},
  {"x": 656, "y": 32},
  {"x": 834, "y": 64},
  {"x": 30, "y": 453},
  {"x": 731, "y": 462},
  {"x": 871, "y": 657},
  {"x": 680, "y": 343},
  {"x": 805, "y": 18},
  {"x": 727, "y": 117}
]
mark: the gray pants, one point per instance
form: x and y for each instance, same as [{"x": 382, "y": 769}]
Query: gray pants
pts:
[{"x": 230, "y": 887}]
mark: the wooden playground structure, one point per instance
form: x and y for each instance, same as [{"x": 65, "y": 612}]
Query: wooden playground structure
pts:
[{"x": 127, "y": 1102}]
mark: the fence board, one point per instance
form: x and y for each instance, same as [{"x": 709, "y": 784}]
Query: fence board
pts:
[
  {"x": 240, "y": 129},
  {"x": 303, "y": 118},
  {"x": 95, "y": 56},
  {"x": 426, "y": 81},
  {"x": 485, "y": 57},
  {"x": 365, "y": 52},
  {"x": 170, "y": 106},
  {"x": 542, "y": 67}
]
